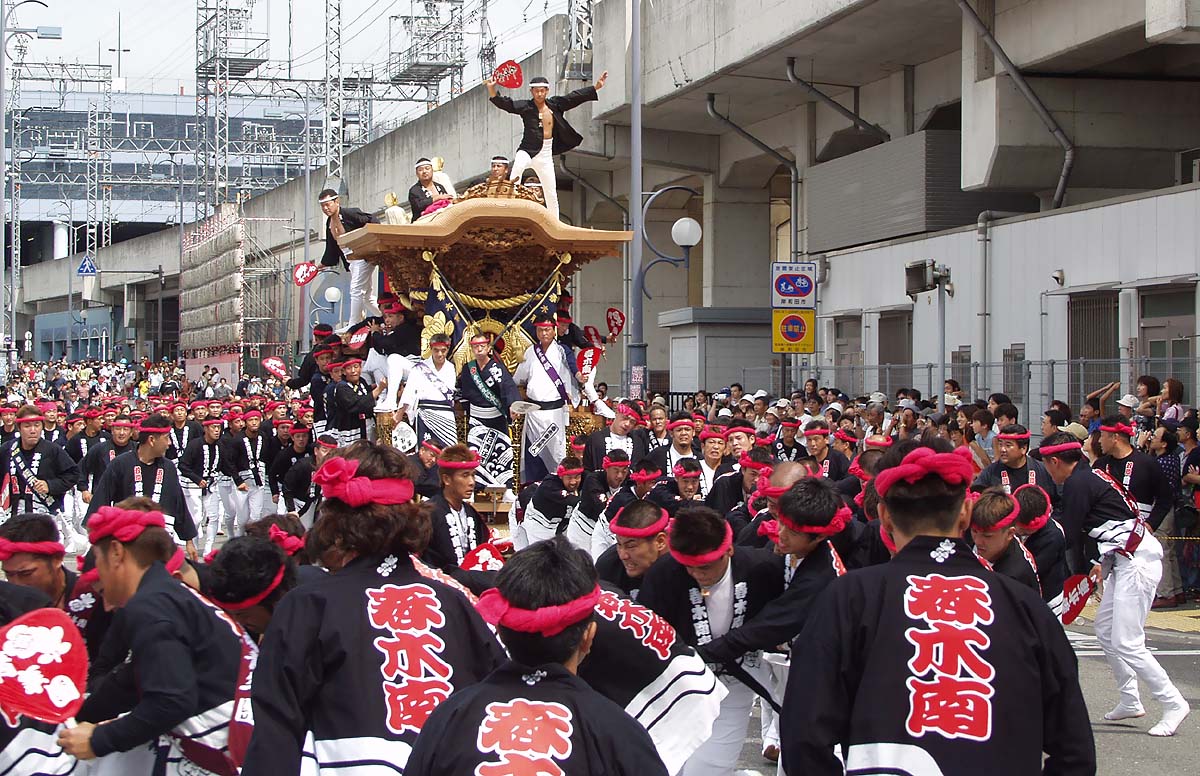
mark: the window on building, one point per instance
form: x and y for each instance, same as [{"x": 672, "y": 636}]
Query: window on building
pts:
[
  {"x": 1014, "y": 372},
  {"x": 189, "y": 130},
  {"x": 143, "y": 129},
  {"x": 1092, "y": 348}
]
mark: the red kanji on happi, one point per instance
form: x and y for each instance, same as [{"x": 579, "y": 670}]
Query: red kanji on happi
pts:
[
  {"x": 653, "y": 631},
  {"x": 413, "y": 654},
  {"x": 527, "y": 735},
  {"x": 410, "y": 702},
  {"x": 950, "y": 691},
  {"x": 519, "y": 765},
  {"x": 410, "y": 608}
]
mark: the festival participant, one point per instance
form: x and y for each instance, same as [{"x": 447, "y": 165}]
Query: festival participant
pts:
[
  {"x": 705, "y": 589},
  {"x": 98, "y": 458},
  {"x": 499, "y": 167},
  {"x": 994, "y": 534},
  {"x": 655, "y": 434},
  {"x": 488, "y": 388},
  {"x": 553, "y": 502},
  {"x": 308, "y": 364},
  {"x": 285, "y": 458},
  {"x": 595, "y": 492},
  {"x": 338, "y": 221},
  {"x": 300, "y": 494},
  {"x": 254, "y": 451},
  {"x": 429, "y": 394},
  {"x": 786, "y": 447},
  {"x": 394, "y": 346},
  {"x": 680, "y": 489},
  {"x": 713, "y": 465},
  {"x": 1044, "y": 538},
  {"x": 547, "y": 376},
  {"x": 325, "y": 356},
  {"x": 1106, "y": 534},
  {"x": 834, "y": 466},
  {"x": 889, "y": 650},
  {"x": 184, "y": 655},
  {"x": 51, "y": 430},
  {"x": 354, "y": 403},
  {"x": 426, "y": 191},
  {"x": 77, "y": 447},
  {"x": 40, "y": 474},
  {"x": 457, "y": 527},
  {"x": 148, "y": 473},
  {"x": 1138, "y": 472},
  {"x": 533, "y": 712},
  {"x": 250, "y": 576},
  {"x": 682, "y": 431},
  {"x": 199, "y": 471},
  {"x": 640, "y": 528},
  {"x": 424, "y": 461},
  {"x": 642, "y": 478},
  {"x": 360, "y": 698},
  {"x": 182, "y": 430},
  {"x": 546, "y": 131},
  {"x": 622, "y": 434},
  {"x": 729, "y": 492},
  {"x": 31, "y": 555},
  {"x": 739, "y": 438},
  {"x": 8, "y": 425},
  {"x": 1013, "y": 467}
]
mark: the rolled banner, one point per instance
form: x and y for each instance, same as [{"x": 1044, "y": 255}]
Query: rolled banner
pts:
[
  {"x": 43, "y": 644},
  {"x": 616, "y": 322},
  {"x": 508, "y": 74},
  {"x": 1076, "y": 592},
  {"x": 586, "y": 361},
  {"x": 304, "y": 272},
  {"x": 276, "y": 366}
]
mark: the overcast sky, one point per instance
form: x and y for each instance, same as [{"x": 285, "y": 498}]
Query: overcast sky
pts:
[{"x": 160, "y": 34}]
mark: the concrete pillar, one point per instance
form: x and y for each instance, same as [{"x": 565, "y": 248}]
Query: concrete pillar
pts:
[
  {"x": 737, "y": 246},
  {"x": 1127, "y": 332},
  {"x": 1172, "y": 21},
  {"x": 870, "y": 349},
  {"x": 62, "y": 239}
]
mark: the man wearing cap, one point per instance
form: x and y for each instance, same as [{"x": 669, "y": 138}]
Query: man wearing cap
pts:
[
  {"x": 426, "y": 191},
  {"x": 488, "y": 388},
  {"x": 429, "y": 395},
  {"x": 149, "y": 473},
  {"x": 546, "y": 131},
  {"x": 550, "y": 382},
  {"x": 1013, "y": 467},
  {"x": 199, "y": 470},
  {"x": 338, "y": 221},
  {"x": 40, "y": 474}
]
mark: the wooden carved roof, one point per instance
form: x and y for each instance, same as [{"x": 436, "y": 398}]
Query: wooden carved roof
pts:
[{"x": 495, "y": 241}]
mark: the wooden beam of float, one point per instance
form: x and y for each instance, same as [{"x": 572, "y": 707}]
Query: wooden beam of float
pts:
[{"x": 492, "y": 243}]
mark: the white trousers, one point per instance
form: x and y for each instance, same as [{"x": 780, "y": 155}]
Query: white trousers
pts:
[
  {"x": 543, "y": 166},
  {"x": 206, "y": 513},
  {"x": 258, "y": 502},
  {"x": 362, "y": 290},
  {"x": 1121, "y": 624},
  {"x": 718, "y": 755},
  {"x": 233, "y": 502},
  {"x": 394, "y": 368}
]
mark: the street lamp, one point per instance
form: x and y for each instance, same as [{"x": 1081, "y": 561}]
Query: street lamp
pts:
[
  {"x": 42, "y": 33},
  {"x": 685, "y": 232},
  {"x": 333, "y": 295}
]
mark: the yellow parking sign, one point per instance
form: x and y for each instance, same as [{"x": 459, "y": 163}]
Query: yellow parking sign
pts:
[{"x": 793, "y": 331}]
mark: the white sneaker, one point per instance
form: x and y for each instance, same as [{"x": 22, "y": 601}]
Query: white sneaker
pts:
[
  {"x": 1173, "y": 715},
  {"x": 1122, "y": 711}
]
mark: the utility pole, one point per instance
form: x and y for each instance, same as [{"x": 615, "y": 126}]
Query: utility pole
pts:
[{"x": 118, "y": 49}]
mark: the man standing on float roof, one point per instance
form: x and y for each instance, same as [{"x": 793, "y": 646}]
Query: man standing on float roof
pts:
[{"x": 546, "y": 132}]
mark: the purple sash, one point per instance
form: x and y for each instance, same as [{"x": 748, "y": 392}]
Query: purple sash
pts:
[{"x": 552, "y": 373}]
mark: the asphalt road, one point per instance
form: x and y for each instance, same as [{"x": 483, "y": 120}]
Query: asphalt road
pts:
[{"x": 1122, "y": 748}]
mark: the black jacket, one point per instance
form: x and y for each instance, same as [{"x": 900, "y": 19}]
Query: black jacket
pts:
[
  {"x": 564, "y": 135},
  {"x": 352, "y": 218},
  {"x": 419, "y": 199}
]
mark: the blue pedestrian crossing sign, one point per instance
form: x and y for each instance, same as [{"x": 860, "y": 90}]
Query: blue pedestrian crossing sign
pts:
[{"x": 87, "y": 267}]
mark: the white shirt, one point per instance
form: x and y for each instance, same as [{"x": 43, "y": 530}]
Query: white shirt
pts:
[
  {"x": 719, "y": 603},
  {"x": 538, "y": 385},
  {"x": 421, "y": 388}
]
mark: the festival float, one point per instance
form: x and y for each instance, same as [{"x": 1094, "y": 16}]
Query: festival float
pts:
[{"x": 487, "y": 262}]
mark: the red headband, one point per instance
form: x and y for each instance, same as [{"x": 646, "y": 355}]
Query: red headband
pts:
[
  {"x": 816, "y": 432},
  {"x": 10, "y": 548},
  {"x": 790, "y": 423},
  {"x": 471, "y": 464},
  {"x": 680, "y": 472},
  {"x": 176, "y": 561},
  {"x": 326, "y": 445},
  {"x": 857, "y": 470},
  {"x": 680, "y": 424},
  {"x": 564, "y": 472},
  {"x": 431, "y": 447},
  {"x": 1055, "y": 449},
  {"x": 1003, "y": 523},
  {"x": 953, "y": 469},
  {"x": 765, "y": 490},
  {"x": 252, "y": 414},
  {"x": 878, "y": 441},
  {"x": 153, "y": 429},
  {"x": 1120, "y": 428},
  {"x": 31, "y": 419},
  {"x": 1036, "y": 524},
  {"x": 337, "y": 480},
  {"x": 640, "y": 477},
  {"x": 548, "y": 620},
  {"x": 708, "y": 557},
  {"x": 544, "y": 325},
  {"x": 747, "y": 463},
  {"x": 655, "y": 528},
  {"x": 211, "y": 422},
  {"x": 611, "y": 464},
  {"x": 763, "y": 442},
  {"x": 625, "y": 409},
  {"x": 708, "y": 433},
  {"x": 1017, "y": 437},
  {"x": 124, "y": 525},
  {"x": 289, "y": 543},
  {"x": 845, "y": 436},
  {"x": 121, "y": 424},
  {"x": 769, "y": 529},
  {"x": 254, "y": 599},
  {"x": 840, "y": 519},
  {"x": 888, "y": 541}
]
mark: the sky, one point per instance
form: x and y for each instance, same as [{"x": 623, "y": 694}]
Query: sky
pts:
[{"x": 160, "y": 36}]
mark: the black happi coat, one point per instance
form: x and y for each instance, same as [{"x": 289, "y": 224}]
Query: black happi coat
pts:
[
  {"x": 726, "y": 493},
  {"x": 601, "y": 443},
  {"x": 564, "y": 726},
  {"x": 118, "y": 483},
  {"x": 352, "y": 405},
  {"x": 665, "y": 457},
  {"x": 182, "y": 437},
  {"x": 554, "y": 503},
  {"x": 782, "y": 619},
  {"x": 1017, "y": 564},
  {"x": 1097, "y": 517},
  {"x": 419, "y": 199},
  {"x": 352, "y": 218},
  {"x": 281, "y": 463},
  {"x": 857, "y": 689},
  {"x": 185, "y": 661},
  {"x": 666, "y": 495},
  {"x": 593, "y": 500},
  {"x": 54, "y": 466},
  {"x": 441, "y": 552},
  {"x": 498, "y": 381},
  {"x": 838, "y": 466},
  {"x": 1048, "y": 545},
  {"x": 428, "y": 483},
  {"x": 1144, "y": 480},
  {"x": 296, "y": 485},
  {"x": 321, "y": 672},
  {"x": 97, "y": 460},
  {"x": 77, "y": 446},
  {"x": 308, "y": 367},
  {"x": 191, "y": 461},
  {"x": 666, "y": 586},
  {"x": 784, "y": 453},
  {"x": 610, "y": 569},
  {"x": 997, "y": 473},
  {"x": 564, "y": 135}
]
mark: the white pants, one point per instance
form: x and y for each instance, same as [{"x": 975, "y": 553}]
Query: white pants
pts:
[
  {"x": 206, "y": 513},
  {"x": 258, "y": 502},
  {"x": 233, "y": 502},
  {"x": 362, "y": 290},
  {"x": 543, "y": 166},
  {"x": 1121, "y": 624},
  {"x": 394, "y": 368},
  {"x": 718, "y": 755}
]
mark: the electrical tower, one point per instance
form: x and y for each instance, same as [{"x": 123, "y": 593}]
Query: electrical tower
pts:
[
  {"x": 432, "y": 47},
  {"x": 487, "y": 44},
  {"x": 577, "y": 59}
]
